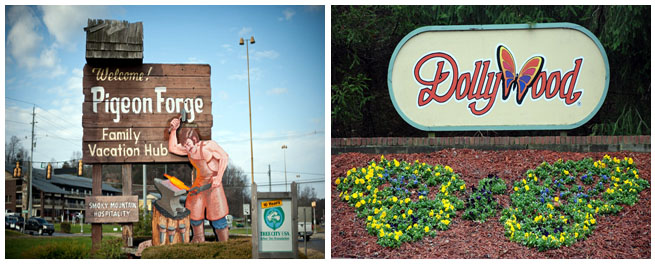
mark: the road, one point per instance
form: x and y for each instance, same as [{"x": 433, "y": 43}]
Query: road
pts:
[{"x": 316, "y": 242}]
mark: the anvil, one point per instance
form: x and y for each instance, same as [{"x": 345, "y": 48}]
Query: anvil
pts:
[{"x": 170, "y": 197}]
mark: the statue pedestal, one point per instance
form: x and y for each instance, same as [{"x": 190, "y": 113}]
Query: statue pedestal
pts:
[{"x": 170, "y": 230}]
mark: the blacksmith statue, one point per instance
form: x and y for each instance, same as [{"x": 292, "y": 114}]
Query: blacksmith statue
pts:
[{"x": 206, "y": 195}]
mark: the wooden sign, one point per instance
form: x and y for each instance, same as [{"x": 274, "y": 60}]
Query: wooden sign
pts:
[
  {"x": 111, "y": 209},
  {"x": 127, "y": 110}
]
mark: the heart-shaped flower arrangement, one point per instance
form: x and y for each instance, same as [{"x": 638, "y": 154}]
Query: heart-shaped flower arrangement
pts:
[
  {"x": 396, "y": 201},
  {"x": 557, "y": 205}
]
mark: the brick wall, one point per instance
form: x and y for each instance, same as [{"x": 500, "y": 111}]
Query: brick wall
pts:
[{"x": 639, "y": 143}]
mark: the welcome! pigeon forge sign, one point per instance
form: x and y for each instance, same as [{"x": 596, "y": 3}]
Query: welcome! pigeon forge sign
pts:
[
  {"x": 127, "y": 110},
  {"x": 498, "y": 77}
]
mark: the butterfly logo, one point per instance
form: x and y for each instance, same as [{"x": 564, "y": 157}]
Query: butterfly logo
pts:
[{"x": 524, "y": 79}]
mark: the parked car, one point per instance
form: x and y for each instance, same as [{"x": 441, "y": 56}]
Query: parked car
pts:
[
  {"x": 10, "y": 222},
  {"x": 19, "y": 223},
  {"x": 39, "y": 225},
  {"x": 305, "y": 225}
]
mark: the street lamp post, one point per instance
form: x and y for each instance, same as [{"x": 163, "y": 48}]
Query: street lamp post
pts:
[
  {"x": 314, "y": 217},
  {"x": 284, "y": 149},
  {"x": 252, "y": 167}
]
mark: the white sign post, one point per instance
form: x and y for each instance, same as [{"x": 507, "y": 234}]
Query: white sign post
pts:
[
  {"x": 275, "y": 224},
  {"x": 246, "y": 209}
]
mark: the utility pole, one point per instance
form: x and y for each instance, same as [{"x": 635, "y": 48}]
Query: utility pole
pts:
[
  {"x": 269, "y": 177},
  {"x": 29, "y": 192},
  {"x": 145, "y": 206}
]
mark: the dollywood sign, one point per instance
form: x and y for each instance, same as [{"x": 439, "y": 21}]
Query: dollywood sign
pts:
[
  {"x": 127, "y": 110},
  {"x": 498, "y": 77}
]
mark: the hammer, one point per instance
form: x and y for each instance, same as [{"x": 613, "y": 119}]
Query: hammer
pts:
[{"x": 182, "y": 118}]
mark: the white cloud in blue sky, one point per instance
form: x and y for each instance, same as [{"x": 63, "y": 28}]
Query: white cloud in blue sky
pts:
[{"x": 44, "y": 57}]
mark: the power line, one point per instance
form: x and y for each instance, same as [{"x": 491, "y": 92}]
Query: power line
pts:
[
  {"x": 273, "y": 137},
  {"x": 293, "y": 172},
  {"x": 20, "y": 100},
  {"x": 44, "y": 109},
  {"x": 19, "y": 122},
  {"x": 301, "y": 173}
]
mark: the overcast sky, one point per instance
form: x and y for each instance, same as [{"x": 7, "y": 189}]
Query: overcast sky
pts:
[{"x": 44, "y": 58}]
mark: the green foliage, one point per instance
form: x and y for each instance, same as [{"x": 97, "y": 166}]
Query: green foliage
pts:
[
  {"x": 144, "y": 226},
  {"x": 234, "y": 248},
  {"x": 111, "y": 249},
  {"x": 65, "y": 227},
  {"x": 492, "y": 183},
  {"x": 481, "y": 204},
  {"x": 57, "y": 250},
  {"x": 629, "y": 122},
  {"x": 349, "y": 97},
  {"x": 364, "y": 38}
]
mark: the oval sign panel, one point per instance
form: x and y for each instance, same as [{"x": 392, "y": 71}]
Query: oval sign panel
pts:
[{"x": 498, "y": 77}]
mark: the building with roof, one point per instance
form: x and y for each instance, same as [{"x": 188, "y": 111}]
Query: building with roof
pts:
[
  {"x": 53, "y": 199},
  {"x": 14, "y": 191}
]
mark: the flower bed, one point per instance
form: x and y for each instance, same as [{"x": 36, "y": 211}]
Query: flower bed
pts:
[
  {"x": 625, "y": 235},
  {"x": 396, "y": 201},
  {"x": 557, "y": 205}
]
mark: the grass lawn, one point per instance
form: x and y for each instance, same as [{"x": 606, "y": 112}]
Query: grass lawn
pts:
[
  {"x": 18, "y": 245},
  {"x": 235, "y": 248},
  {"x": 240, "y": 231},
  {"x": 75, "y": 228}
]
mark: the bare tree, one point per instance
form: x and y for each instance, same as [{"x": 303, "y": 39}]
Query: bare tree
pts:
[
  {"x": 14, "y": 150},
  {"x": 306, "y": 195},
  {"x": 236, "y": 190}
]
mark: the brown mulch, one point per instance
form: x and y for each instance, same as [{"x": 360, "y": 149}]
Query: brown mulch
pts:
[{"x": 625, "y": 235}]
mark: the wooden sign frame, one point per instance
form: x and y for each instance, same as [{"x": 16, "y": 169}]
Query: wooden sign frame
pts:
[{"x": 127, "y": 110}]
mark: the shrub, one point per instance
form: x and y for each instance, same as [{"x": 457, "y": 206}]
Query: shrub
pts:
[
  {"x": 111, "y": 249},
  {"x": 144, "y": 226},
  {"x": 481, "y": 204},
  {"x": 235, "y": 248},
  {"x": 60, "y": 250},
  {"x": 66, "y": 227},
  {"x": 493, "y": 183}
]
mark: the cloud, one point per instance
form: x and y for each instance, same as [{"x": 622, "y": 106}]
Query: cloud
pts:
[
  {"x": 277, "y": 91},
  {"x": 287, "y": 14},
  {"x": 258, "y": 55},
  {"x": 245, "y": 31},
  {"x": 270, "y": 54},
  {"x": 25, "y": 44},
  {"x": 65, "y": 23},
  {"x": 23, "y": 40},
  {"x": 255, "y": 74},
  {"x": 227, "y": 47},
  {"x": 194, "y": 60},
  {"x": 71, "y": 89},
  {"x": 318, "y": 121}
]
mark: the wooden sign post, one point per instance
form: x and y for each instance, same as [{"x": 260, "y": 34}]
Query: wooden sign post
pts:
[
  {"x": 128, "y": 107},
  {"x": 127, "y": 112}
]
